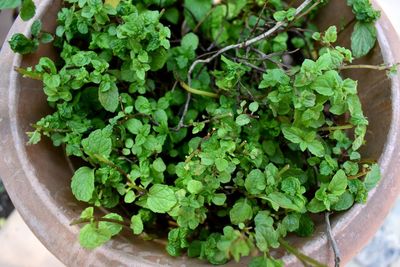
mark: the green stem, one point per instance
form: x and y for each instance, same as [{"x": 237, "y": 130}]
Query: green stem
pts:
[
  {"x": 218, "y": 117},
  {"x": 333, "y": 128},
  {"x": 299, "y": 255},
  {"x": 102, "y": 159},
  {"x": 197, "y": 92},
  {"x": 358, "y": 175},
  {"x": 45, "y": 129},
  {"x": 283, "y": 170},
  {"x": 364, "y": 66},
  {"x": 98, "y": 219},
  {"x": 29, "y": 74}
]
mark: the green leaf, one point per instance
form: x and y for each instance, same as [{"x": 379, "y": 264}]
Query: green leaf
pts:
[
  {"x": 198, "y": 8},
  {"x": 363, "y": 38},
  {"x": 82, "y": 184},
  {"x": 316, "y": 148},
  {"x": 286, "y": 202},
  {"x": 9, "y": 4},
  {"x": 219, "y": 199},
  {"x": 98, "y": 143},
  {"x": 221, "y": 164},
  {"x": 28, "y": 9},
  {"x": 91, "y": 237},
  {"x": 330, "y": 35},
  {"x": 316, "y": 206},
  {"x": 327, "y": 83},
  {"x": 137, "y": 224},
  {"x": 36, "y": 27},
  {"x": 346, "y": 200},
  {"x": 306, "y": 227},
  {"x": 373, "y": 177},
  {"x": 255, "y": 182},
  {"x": 46, "y": 38},
  {"x": 143, "y": 105},
  {"x": 293, "y": 134},
  {"x": 133, "y": 125},
  {"x": 242, "y": 119},
  {"x": 109, "y": 99},
  {"x": 161, "y": 198},
  {"x": 240, "y": 212},
  {"x": 338, "y": 184},
  {"x": 129, "y": 197},
  {"x": 194, "y": 186},
  {"x": 253, "y": 107},
  {"x": 87, "y": 213},
  {"x": 159, "y": 165},
  {"x": 190, "y": 41},
  {"x": 20, "y": 44},
  {"x": 113, "y": 228}
]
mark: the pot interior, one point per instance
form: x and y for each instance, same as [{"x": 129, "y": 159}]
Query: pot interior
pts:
[{"x": 54, "y": 172}]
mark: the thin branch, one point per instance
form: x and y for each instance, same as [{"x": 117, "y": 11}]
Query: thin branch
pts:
[
  {"x": 185, "y": 109},
  {"x": 245, "y": 43},
  {"x": 332, "y": 240},
  {"x": 333, "y": 128},
  {"x": 98, "y": 219},
  {"x": 364, "y": 66}
]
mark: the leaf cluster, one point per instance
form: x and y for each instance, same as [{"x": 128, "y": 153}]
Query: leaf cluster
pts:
[{"x": 264, "y": 144}]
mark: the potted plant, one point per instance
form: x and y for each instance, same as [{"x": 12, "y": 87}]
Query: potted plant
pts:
[{"x": 221, "y": 128}]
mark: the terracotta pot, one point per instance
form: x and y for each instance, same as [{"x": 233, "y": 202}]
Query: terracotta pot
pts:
[{"x": 38, "y": 177}]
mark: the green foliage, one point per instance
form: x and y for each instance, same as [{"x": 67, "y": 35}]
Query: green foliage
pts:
[
  {"x": 19, "y": 43},
  {"x": 260, "y": 145},
  {"x": 363, "y": 37}
]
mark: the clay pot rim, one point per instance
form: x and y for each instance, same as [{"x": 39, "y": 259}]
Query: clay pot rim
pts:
[{"x": 16, "y": 165}]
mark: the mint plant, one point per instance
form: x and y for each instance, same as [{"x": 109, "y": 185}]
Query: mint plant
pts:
[{"x": 222, "y": 126}]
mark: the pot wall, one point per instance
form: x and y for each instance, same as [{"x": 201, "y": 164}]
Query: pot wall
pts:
[{"x": 38, "y": 177}]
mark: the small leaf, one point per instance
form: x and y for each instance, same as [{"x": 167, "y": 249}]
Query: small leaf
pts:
[
  {"x": 137, "y": 224},
  {"x": 82, "y": 184},
  {"x": 161, "y": 198},
  {"x": 109, "y": 99},
  {"x": 159, "y": 165},
  {"x": 91, "y": 237},
  {"x": 240, "y": 212},
  {"x": 28, "y": 9},
  {"x": 194, "y": 186},
  {"x": 338, "y": 184},
  {"x": 373, "y": 177},
  {"x": 363, "y": 38},
  {"x": 36, "y": 27},
  {"x": 242, "y": 119}
]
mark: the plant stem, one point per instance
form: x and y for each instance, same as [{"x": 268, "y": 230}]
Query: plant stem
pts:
[
  {"x": 102, "y": 159},
  {"x": 99, "y": 219},
  {"x": 197, "y": 92},
  {"x": 299, "y": 255},
  {"x": 29, "y": 74},
  {"x": 210, "y": 120},
  {"x": 333, "y": 128},
  {"x": 364, "y": 66},
  {"x": 245, "y": 43},
  {"x": 358, "y": 175},
  {"x": 332, "y": 240}
]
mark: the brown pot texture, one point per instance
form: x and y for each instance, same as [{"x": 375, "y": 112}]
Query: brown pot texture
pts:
[{"x": 38, "y": 177}]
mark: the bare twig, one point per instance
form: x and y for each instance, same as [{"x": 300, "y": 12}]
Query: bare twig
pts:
[
  {"x": 247, "y": 42},
  {"x": 185, "y": 109},
  {"x": 332, "y": 240}
]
